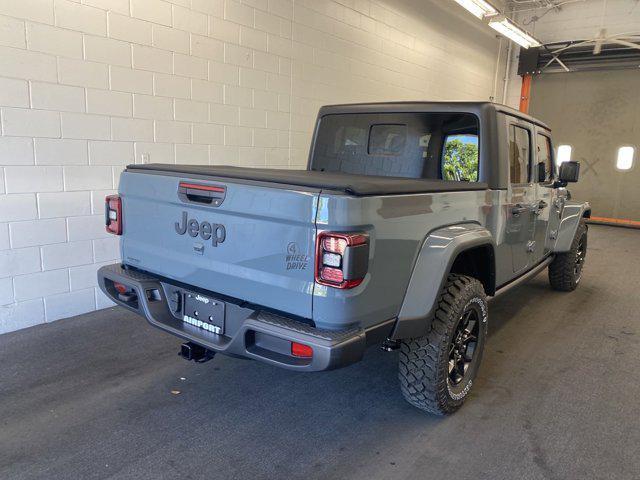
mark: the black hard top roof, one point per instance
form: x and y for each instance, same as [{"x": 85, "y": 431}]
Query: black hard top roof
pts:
[{"x": 417, "y": 106}]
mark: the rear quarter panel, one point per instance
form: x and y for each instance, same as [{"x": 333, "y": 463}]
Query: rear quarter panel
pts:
[{"x": 398, "y": 226}]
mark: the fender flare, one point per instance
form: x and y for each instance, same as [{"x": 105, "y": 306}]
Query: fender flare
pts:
[
  {"x": 572, "y": 213},
  {"x": 432, "y": 266}
]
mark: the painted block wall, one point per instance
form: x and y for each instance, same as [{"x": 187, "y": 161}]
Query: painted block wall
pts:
[{"x": 87, "y": 87}]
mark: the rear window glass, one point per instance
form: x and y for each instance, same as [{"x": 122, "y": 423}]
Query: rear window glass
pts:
[
  {"x": 347, "y": 137},
  {"x": 410, "y": 145},
  {"x": 387, "y": 139}
]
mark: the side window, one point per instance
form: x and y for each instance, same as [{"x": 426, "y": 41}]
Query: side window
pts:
[
  {"x": 543, "y": 144},
  {"x": 460, "y": 158},
  {"x": 519, "y": 154}
]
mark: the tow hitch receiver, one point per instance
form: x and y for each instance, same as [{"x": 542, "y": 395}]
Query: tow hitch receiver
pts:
[{"x": 191, "y": 351}]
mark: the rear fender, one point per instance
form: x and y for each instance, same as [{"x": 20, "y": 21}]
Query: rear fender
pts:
[
  {"x": 572, "y": 213},
  {"x": 432, "y": 267}
]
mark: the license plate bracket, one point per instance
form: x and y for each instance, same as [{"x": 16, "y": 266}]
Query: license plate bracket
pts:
[{"x": 203, "y": 312}]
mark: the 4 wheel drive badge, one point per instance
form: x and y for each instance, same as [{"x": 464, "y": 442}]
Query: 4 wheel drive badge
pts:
[
  {"x": 216, "y": 232},
  {"x": 295, "y": 259},
  {"x": 292, "y": 248}
]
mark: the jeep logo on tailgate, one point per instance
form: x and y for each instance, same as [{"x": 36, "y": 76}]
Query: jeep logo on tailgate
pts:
[{"x": 214, "y": 231}]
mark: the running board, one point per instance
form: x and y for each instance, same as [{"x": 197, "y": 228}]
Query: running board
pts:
[{"x": 523, "y": 278}]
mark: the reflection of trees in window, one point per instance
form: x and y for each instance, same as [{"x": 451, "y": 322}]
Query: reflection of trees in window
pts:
[{"x": 460, "y": 160}]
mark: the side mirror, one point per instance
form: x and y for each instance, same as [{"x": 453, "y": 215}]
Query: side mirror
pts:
[
  {"x": 542, "y": 172},
  {"x": 569, "y": 172}
]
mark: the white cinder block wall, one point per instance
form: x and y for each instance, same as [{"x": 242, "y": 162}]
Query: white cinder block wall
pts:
[{"x": 87, "y": 87}]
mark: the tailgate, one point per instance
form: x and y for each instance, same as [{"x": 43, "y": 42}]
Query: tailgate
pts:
[{"x": 257, "y": 245}]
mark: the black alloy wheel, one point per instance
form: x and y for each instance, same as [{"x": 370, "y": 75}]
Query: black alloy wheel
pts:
[
  {"x": 565, "y": 271},
  {"x": 463, "y": 345},
  {"x": 438, "y": 370}
]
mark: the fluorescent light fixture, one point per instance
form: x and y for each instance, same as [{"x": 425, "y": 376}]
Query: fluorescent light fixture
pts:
[
  {"x": 564, "y": 154},
  {"x": 511, "y": 30},
  {"x": 625, "y": 158},
  {"x": 479, "y": 8}
]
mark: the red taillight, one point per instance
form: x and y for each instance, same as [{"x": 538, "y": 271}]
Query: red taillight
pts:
[
  {"x": 300, "y": 350},
  {"x": 330, "y": 274},
  {"x": 113, "y": 214},
  {"x": 342, "y": 259},
  {"x": 334, "y": 245}
]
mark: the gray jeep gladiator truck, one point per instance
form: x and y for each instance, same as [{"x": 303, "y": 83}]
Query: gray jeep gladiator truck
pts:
[{"x": 407, "y": 220}]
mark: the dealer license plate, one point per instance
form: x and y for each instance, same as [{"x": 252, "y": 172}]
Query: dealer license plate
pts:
[{"x": 204, "y": 312}]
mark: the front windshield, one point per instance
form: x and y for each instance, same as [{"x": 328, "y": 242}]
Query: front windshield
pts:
[{"x": 411, "y": 145}]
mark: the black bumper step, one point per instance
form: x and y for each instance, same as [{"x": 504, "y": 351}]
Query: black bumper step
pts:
[{"x": 259, "y": 334}]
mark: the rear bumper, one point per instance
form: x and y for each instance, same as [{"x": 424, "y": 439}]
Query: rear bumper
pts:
[{"x": 249, "y": 333}]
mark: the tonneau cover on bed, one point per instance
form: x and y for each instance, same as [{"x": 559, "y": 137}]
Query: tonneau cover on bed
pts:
[{"x": 357, "y": 185}]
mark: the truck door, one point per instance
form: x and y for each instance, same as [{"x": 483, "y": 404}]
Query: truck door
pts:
[
  {"x": 544, "y": 177},
  {"x": 520, "y": 196}
]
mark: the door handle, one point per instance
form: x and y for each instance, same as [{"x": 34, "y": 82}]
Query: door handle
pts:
[{"x": 518, "y": 209}]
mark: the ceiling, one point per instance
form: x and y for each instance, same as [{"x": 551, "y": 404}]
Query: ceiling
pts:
[
  {"x": 579, "y": 34},
  {"x": 545, "y": 5},
  {"x": 528, "y": 5}
]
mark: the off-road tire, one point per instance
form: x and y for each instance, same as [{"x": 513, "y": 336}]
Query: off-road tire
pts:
[
  {"x": 565, "y": 271},
  {"x": 424, "y": 362}
]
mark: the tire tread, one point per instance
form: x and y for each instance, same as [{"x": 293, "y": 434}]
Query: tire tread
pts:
[
  {"x": 421, "y": 380},
  {"x": 561, "y": 270}
]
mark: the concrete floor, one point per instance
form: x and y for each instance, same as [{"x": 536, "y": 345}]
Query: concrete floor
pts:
[{"x": 557, "y": 398}]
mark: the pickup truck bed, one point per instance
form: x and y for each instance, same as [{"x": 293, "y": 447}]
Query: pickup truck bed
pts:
[{"x": 356, "y": 185}]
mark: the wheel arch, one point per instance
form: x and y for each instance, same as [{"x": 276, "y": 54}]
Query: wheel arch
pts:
[
  {"x": 572, "y": 214},
  {"x": 467, "y": 249},
  {"x": 478, "y": 262}
]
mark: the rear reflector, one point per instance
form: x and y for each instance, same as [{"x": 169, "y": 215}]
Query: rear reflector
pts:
[
  {"x": 300, "y": 350},
  {"x": 113, "y": 214},
  {"x": 120, "y": 287}
]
